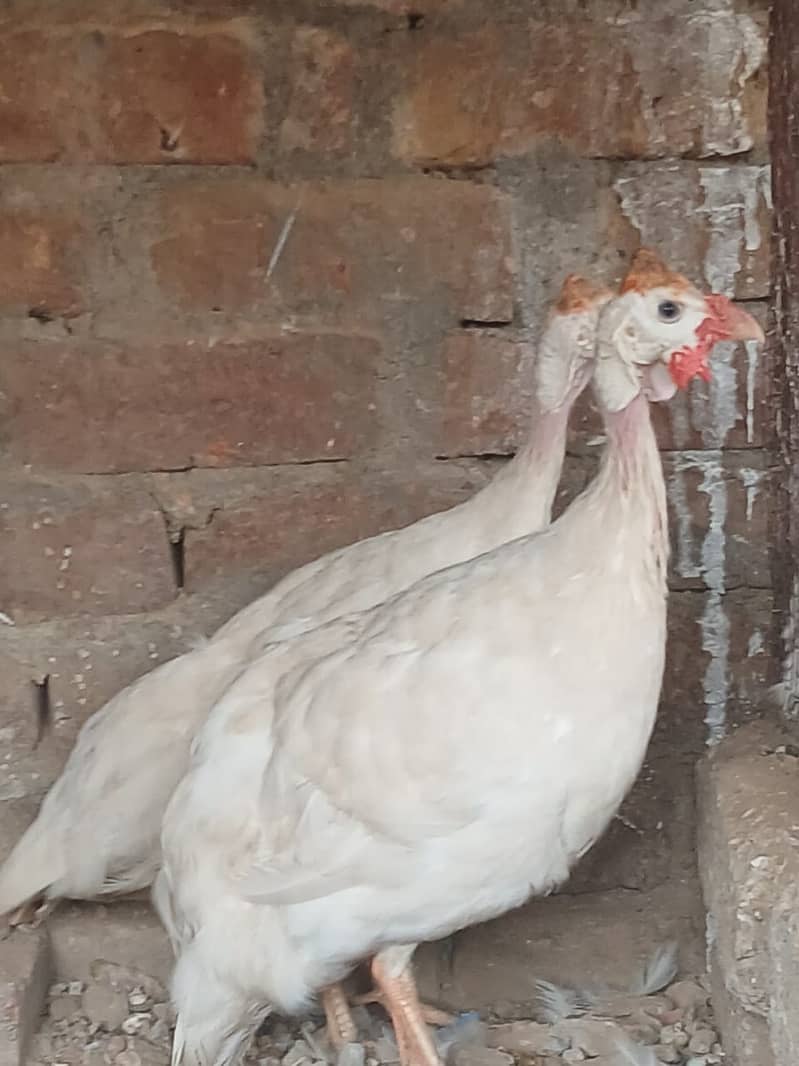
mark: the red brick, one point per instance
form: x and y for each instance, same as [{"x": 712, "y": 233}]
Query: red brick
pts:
[
  {"x": 151, "y": 95},
  {"x": 171, "y": 95},
  {"x": 487, "y": 393},
  {"x": 277, "y": 520},
  {"x": 357, "y": 251},
  {"x": 40, "y": 269},
  {"x": 658, "y": 85},
  {"x": 322, "y": 79},
  {"x": 105, "y": 407},
  {"x": 82, "y": 547}
]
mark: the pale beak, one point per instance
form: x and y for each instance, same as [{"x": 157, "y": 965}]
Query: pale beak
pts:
[{"x": 731, "y": 322}]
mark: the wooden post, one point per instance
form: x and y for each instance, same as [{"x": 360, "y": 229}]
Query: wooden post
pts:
[{"x": 784, "y": 335}]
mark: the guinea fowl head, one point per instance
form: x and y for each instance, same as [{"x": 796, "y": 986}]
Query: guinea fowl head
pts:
[
  {"x": 566, "y": 350},
  {"x": 657, "y": 334}
]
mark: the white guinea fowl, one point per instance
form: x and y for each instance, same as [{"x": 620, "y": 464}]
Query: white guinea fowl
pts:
[
  {"x": 97, "y": 833},
  {"x": 401, "y": 773}
]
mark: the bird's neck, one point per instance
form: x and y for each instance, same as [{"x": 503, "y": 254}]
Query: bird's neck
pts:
[
  {"x": 631, "y": 481},
  {"x": 537, "y": 464}
]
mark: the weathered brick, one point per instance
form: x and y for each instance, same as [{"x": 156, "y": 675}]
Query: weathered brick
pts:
[
  {"x": 713, "y": 495},
  {"x": 82, "y": 547},
  {"x": 718, "y": 655},
  {"x": 168, "y": 93},
  {"x": 656, "y": 84},
  {"x": 319, "y": 117},
  {"x": 111, "y": 407},
  {"x": 726, "y": 244},
  {"x": 487, "y": 393},
  {"x": 85, "y": 662},
  {"x": 25, "y": 974},
  {"x": 40, "y": 270},
  {"x": 173, "y": 95},
  {"x": 356, "y": 251},
  {"x": 276, "y": 520}
]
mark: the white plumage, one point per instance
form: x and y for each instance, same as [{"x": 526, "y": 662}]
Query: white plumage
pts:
[
  {"x": 398, "y": 774},
  {"x": 97, "y": 832}
]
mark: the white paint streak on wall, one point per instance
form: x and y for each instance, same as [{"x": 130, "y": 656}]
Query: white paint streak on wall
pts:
[
  {"x": 756, "y": 645},
  {"x": 752, "y": 356},
  {"x": 751, "y": 481},
  {"x": 687, "y": 561},
  {"x": 714, "y": 623}
]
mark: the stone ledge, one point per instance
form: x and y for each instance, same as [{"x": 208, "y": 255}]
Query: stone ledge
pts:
[
  {"x": 25, "y": 974},
  {"x": 749, "y": 863}
]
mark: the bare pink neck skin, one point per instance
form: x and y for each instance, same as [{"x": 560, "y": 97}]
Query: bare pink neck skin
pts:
[
  {"x": 536, "y": 467},
  {"x": 632, "y": 474}
]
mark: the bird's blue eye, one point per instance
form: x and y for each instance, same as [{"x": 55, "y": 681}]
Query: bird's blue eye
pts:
[{"x": 669, "y": 311}]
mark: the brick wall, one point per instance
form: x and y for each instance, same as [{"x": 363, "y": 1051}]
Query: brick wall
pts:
[{"x": 266, "y": 274}]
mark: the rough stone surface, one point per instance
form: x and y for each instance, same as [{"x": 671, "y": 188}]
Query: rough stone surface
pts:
[
  {"x": 25, "y": 973},
  {"x": 748, "y": 841},
  {"x": 82, "y": 547},
  {"x": 85, "y": 662},
  {"x": 658, "y": 81}
]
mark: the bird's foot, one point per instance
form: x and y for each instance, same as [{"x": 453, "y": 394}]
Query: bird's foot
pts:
[
  {"x": 341, "y": 1028},
  {"x": 30, "y": 915},
  {"x": 431, "y": 1015},
  {"x": 414, "y": 1042}
]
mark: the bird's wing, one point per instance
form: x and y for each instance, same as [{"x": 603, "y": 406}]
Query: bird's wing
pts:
[{"x": 384, "y": 742}]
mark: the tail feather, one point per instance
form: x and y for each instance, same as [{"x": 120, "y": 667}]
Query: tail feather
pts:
[
  {"x": 215, "y": 1021},
  {"x": 31, "y": 868}
]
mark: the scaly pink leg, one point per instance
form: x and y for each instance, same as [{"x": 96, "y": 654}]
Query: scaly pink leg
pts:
[
  {"x": 431, "y": 1015},
  {"x": 416, "y": 1047},
  {"x": 340, "y": 1026}
]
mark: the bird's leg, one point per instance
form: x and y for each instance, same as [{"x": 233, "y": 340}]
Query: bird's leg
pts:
[
  {"x": 340, "y": 1025},
  {"x": 392, "y": 974},
  {"x": 431, "y": 1015}
]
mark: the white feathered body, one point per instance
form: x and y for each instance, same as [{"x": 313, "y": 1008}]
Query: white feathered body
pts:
[
  {"x": 131, "y": 754},
  {"x": 399, "y": 774}
]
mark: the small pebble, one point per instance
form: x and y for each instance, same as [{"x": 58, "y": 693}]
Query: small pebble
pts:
[
  {"x": 299, "y": 1052},
  {"x": 702, "y": 1041},
  {"x": 351, "y": 1055},
  {"x": 136, "y": 1025},
  {"x": 138, "y": 1000},
  {"x": 75, "y": 988},
  {"x": 469, "y": 1055},
  {"x": 687, "y": 995},
  {"x": 128, "y": 1058},
  {"x": 105, "y": 1006},
  {"x": 667, "y": 1053},
  {"x": 573, "y": 1054},
  {"x": 64, "y": 1007}
]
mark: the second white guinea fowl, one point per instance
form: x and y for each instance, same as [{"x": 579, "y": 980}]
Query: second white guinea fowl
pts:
[
  {"x": 97, "y": 833},
  {"x": 396, "y": 775}
]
